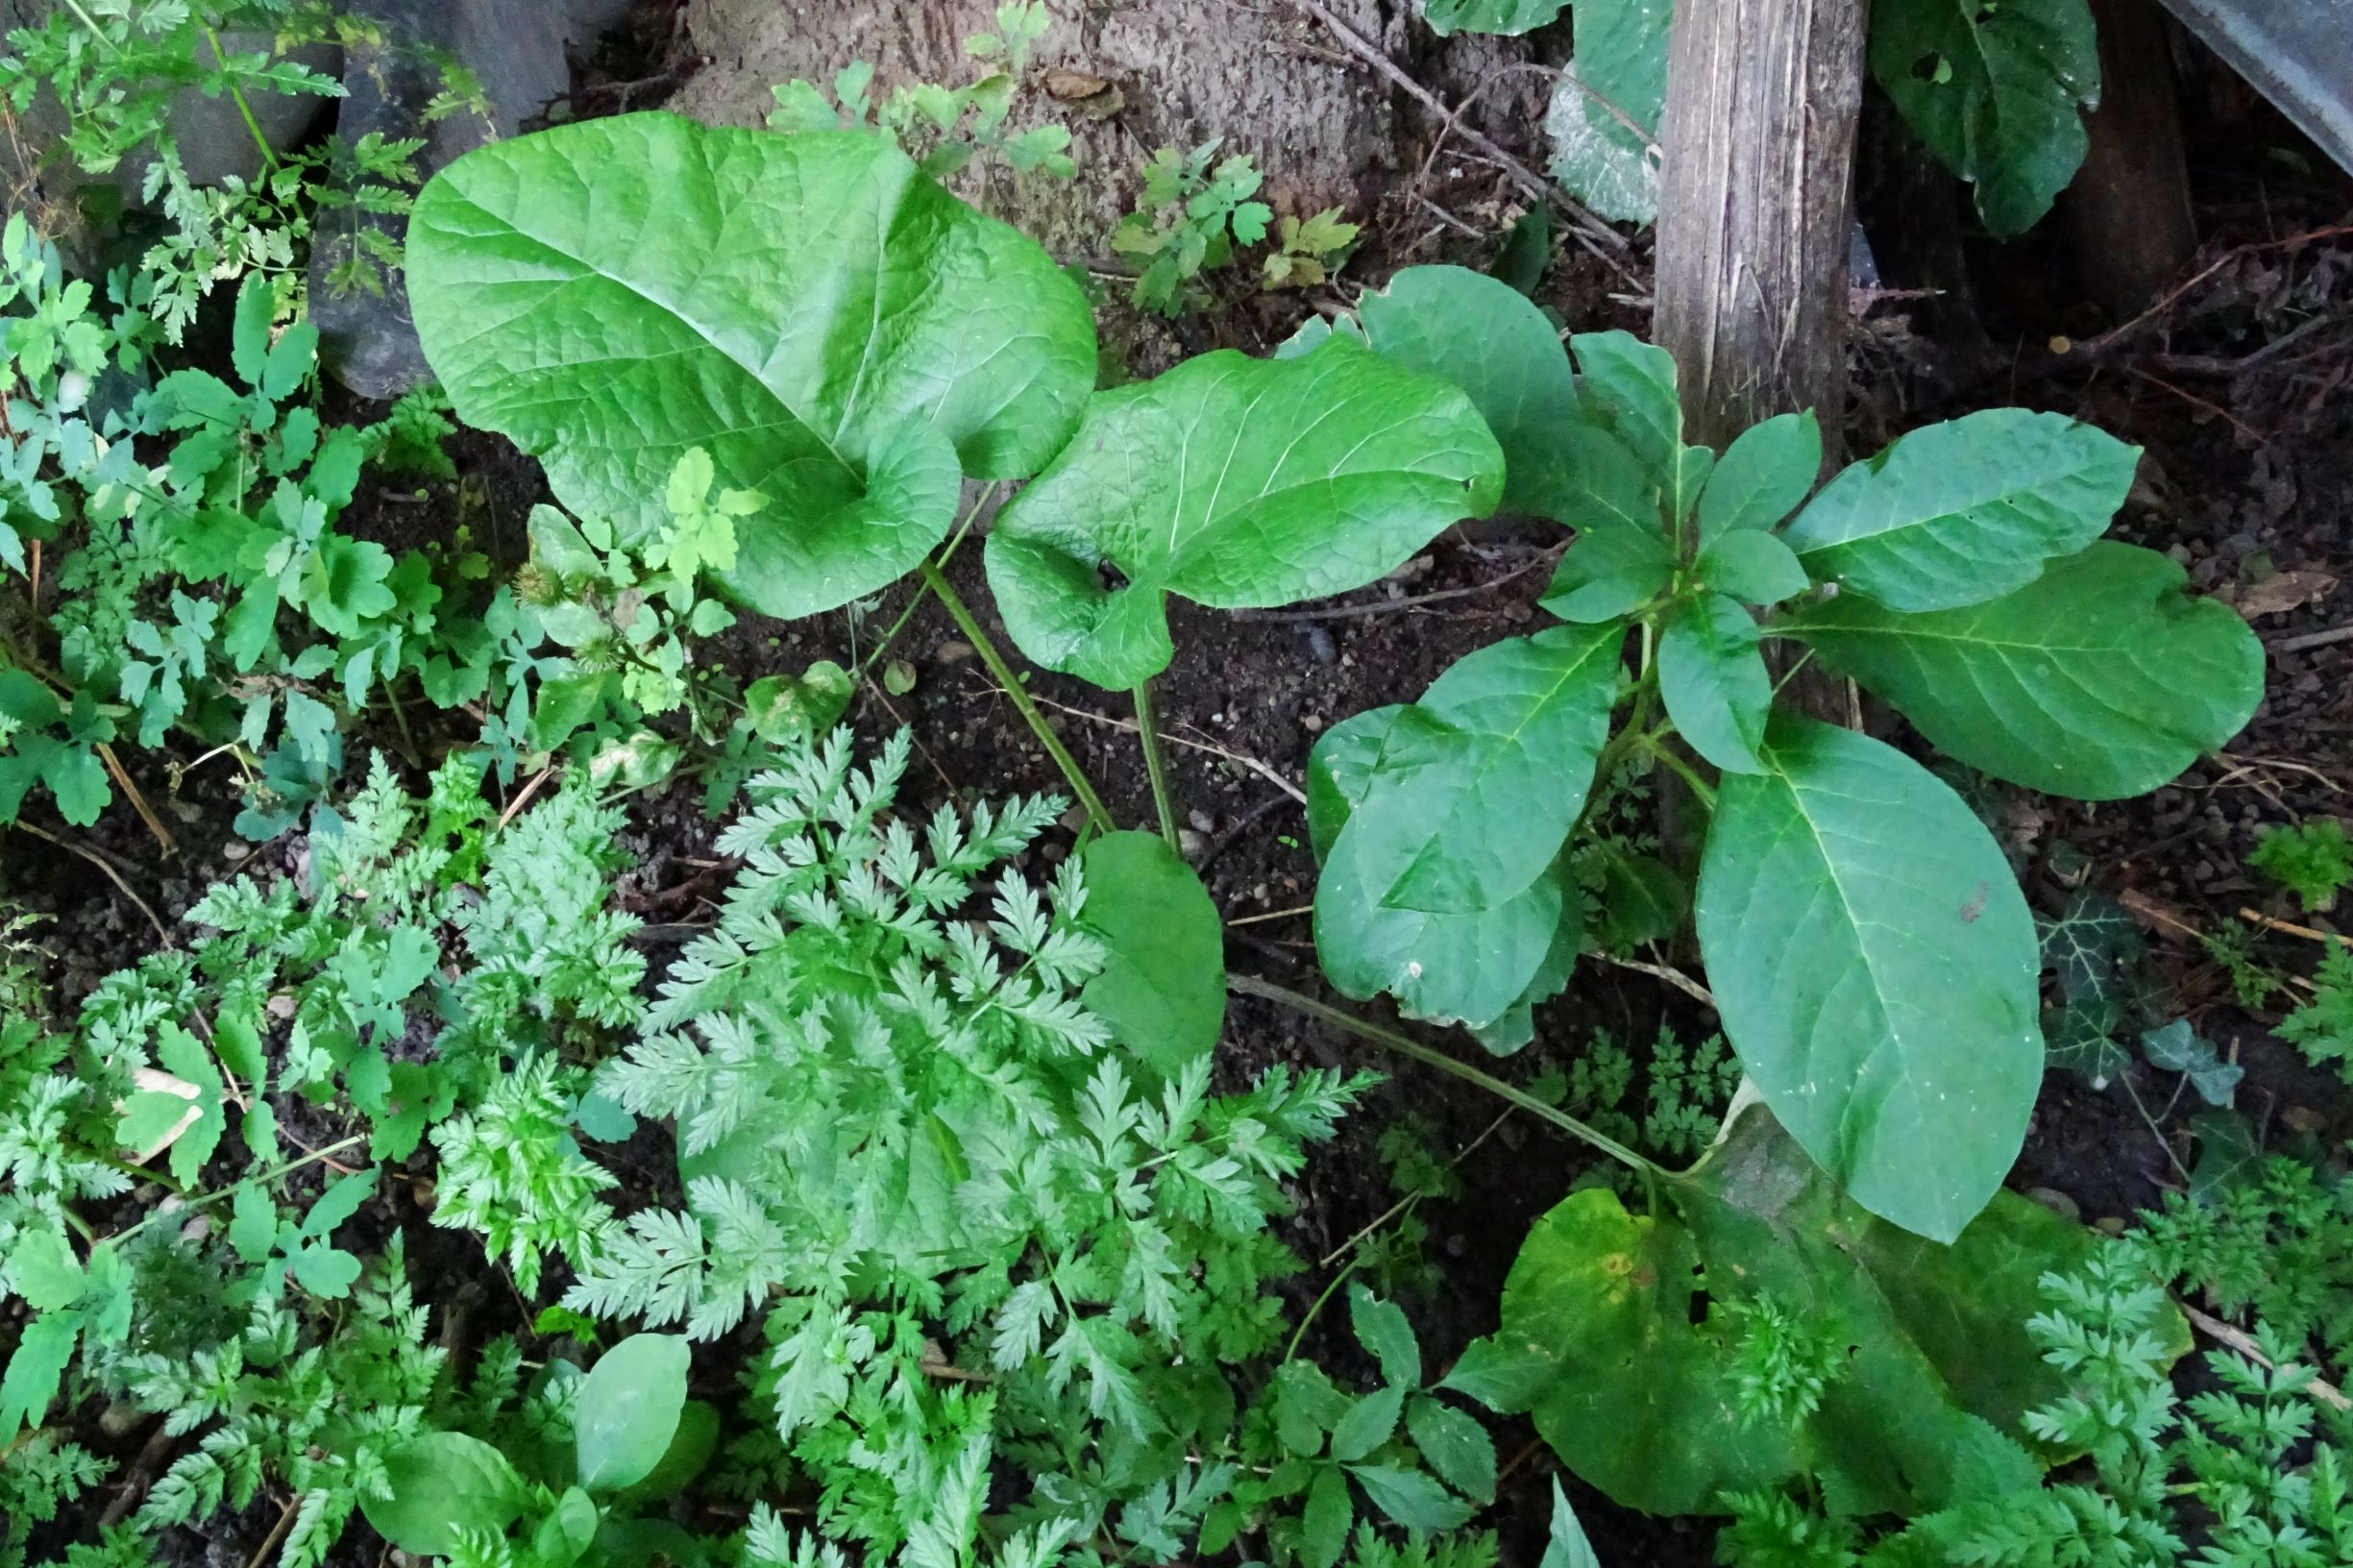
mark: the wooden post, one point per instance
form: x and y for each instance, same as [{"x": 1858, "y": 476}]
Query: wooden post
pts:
[{"x": 1756, "y": 149}]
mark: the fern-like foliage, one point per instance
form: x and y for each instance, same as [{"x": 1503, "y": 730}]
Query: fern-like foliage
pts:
[
  {"x": 512, "y": 1171},
  {"x": 909, "y": 1145}
]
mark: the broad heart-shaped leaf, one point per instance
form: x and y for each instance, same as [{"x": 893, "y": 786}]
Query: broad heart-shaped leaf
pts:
[
  {"x": 1714, "y": 682},
  {"x": 441, "y": 1483},
  {"x": 1469, "y": 968},
  {"x": 1956, "y": 513},
  {"x": 1993, "y": 91},
  {"x": 2101, "y": 678},
  {"x": 834, "y": 329},
  {"x": 1605, "y": 113},
  {"x": 1598, "y": 1341},
  {"x": 1163, "y": 986},
  {"x": 1875, "y": 968},
  {"x": 627, "y": 1410},
  {"x": 1233, "y": 482},
  {"x": 1479, "y": 782},
  {"x": 1490, "y": 340},
  {"x": 1450, "y": 17}
]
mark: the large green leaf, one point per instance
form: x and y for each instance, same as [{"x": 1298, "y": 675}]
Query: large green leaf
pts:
[
  {"x": 1714, "y": 682},
  {"x": 1933, "y": 1366},
  {"x": 1993, "y": 89},
  {"x": 2101, "y": 678},
  {"x": 1963, "y": 511},
  {"x": 1235, "y": 482},
  {"x": 1605, "y": 110},
  {"x": 1450, "y": 17},
  {"x": 1163, "y": 985},
  {"x": 1764, "y": 474},
  {"x": 1479, "y": 783},
  {"x": 1490, "y": 340},
  {"x": 438, "y": 1484},
  {"x": 840, "y": 333},
  {"x": 1875, "y": 968},
  {"x": 1469, "y": 968}
]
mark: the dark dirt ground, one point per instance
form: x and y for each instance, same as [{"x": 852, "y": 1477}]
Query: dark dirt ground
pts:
[{"x": 2249, "y": 477}]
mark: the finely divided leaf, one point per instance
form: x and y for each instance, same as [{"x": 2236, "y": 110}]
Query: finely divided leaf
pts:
[
  {"x": 839, "y": 332},
  {"x": 1233, "y": 482},
  {"x": 1960, "y": 512},
  {"x": 1877, "y": 971},
  {"x": 2101, "y": 678}
]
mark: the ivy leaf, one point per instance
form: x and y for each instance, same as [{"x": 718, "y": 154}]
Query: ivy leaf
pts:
[
  {"x": 1163, "y": 986},
  {"x": 1479, "y": 783},
  {"x": 1233, "y": 483},
  {"x": 835, "y": 328},
  {"x": 1763, "y": 476},
  {"x": 1993, "y": 91},
  {"x": 1490, "y": 340},
  {"x": 1964, "y": 511},
  {"x": 1380, "y": 1327},
  {"x": 2100, "y": 679},
  {"x": 1714, "y": 682},
  {"x": 1410, "y": 1497},
  {"x": 439, "y": 1484},
  {"x": 1877, "y": 971},
  {"x": 2176, "y": 1047},
  {"x": 627, "y": 1410},
  {"x": 1605, "y": 110},
  {"x": 1447, "y": 18},
  {"x": 1600, "y": 1345}
]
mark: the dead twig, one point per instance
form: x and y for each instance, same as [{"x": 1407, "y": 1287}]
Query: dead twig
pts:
[
  {"x": 2239, "y": 1340},
  {"x": 1382, "y": 607},
  {"x": 112, "y": 875},
  {"x": 1589, "y": 229},
  {"x": 1659, "y": 971},
  {"x": 1270, "y": 914},
  {"x": 2310, "y": 640},
  {"x": 1257, "y": 766},
  {"x": 2292, "y": 929},
  {"x": 139, "y": 801}
]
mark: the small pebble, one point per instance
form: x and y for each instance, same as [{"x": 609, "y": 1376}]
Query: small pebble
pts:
[
  {"x": 951, "y": 652},
  {"x": 2111, "y": 1225},
  {"x": 234, "y": 850},
  {"x": 1202, "y": 820},
  {"x": 2057, "y": 1202},
  {"x": 1191, "y": 845},
  {"x": 1321, "y": 644},
  {"x": 1313, "y": 722}
]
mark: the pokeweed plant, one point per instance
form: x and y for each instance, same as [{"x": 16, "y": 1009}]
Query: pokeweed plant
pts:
[
  {"x": 849, "y": 343},
  {"x": 1871, "y": 957}
]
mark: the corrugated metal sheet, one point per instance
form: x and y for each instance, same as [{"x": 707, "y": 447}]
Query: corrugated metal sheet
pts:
[{"x": 2297, "y": 53}]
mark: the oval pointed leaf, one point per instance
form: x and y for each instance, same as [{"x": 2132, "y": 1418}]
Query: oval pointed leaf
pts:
[
  {"x": 1964, "y": 511},
  {"x": 810, "y": 310},
  {"x": 1490, "y": 340},
  {"x": 1233, "y": 483},
  {"x": 2101, "y": 678},
  {"x": 1163, "y": 985},
  {"x": 1875, "y": 968},
  {"x": 1762, "y": 477},
  {"x": 1467, "y": 968},
  {"x": 1753, "y": 567},
  {"x": 442, "y": 1482},
  {"x": 627, "y": 1410},
  {"x": 1450, "y": 17},
  {"x": 1480, "y": 781},
  {"x": 1714, "y": 682}
]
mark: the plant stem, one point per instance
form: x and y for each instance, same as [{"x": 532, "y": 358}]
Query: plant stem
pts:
[
  {"x": 1403, "y": 1046},
  {"x": 1291, "y": 1350},
  {"x": 1156, "y": 762},
  {"x": 264, "y": 1179},
  {"x": 220, "y": 62},
  {"x": 963, "y": 526},
  {"x": 96, "y": 32},
  {"x": 947, "y": 596},
  {"x": 1699, "y": 787}
]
